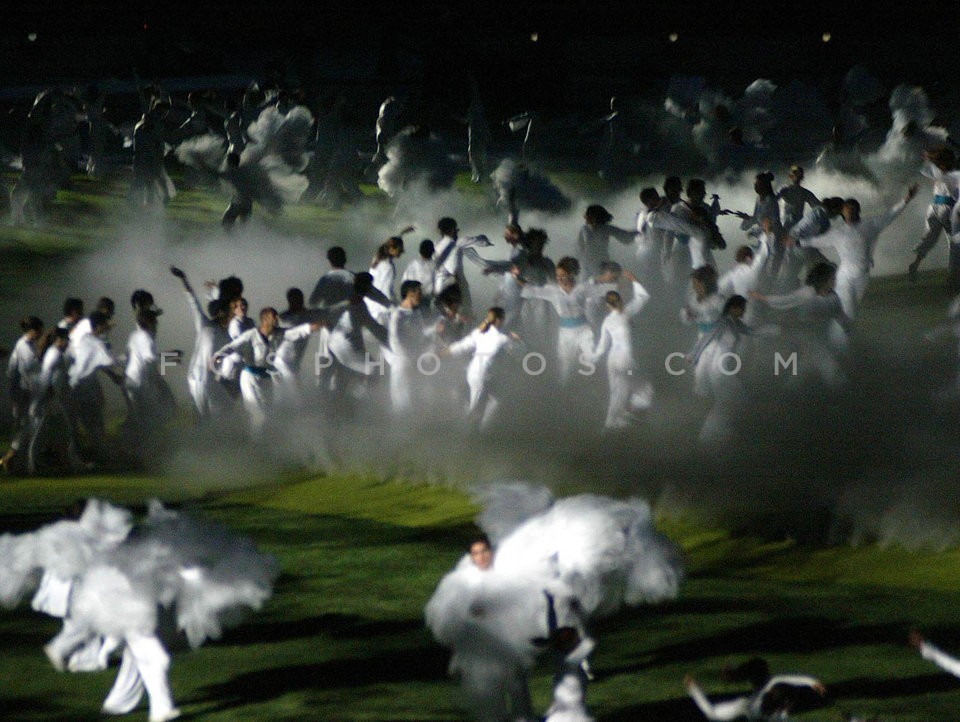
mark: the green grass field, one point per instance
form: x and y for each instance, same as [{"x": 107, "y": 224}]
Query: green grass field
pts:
[{"x": 343, "y": 637}]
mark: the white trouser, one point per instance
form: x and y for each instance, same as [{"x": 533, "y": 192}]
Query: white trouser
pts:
[
  {"x": 572, "y": 343},
  {"x": 628, "y": 393},
  {"x": 937, "y": 219},
  {"x": 728, "y": 400},
  {"x": 401, "y": 384},
  {"x": 851, "y": 286},
  {"x": 257, "y": 393},
  {"x": 483, "y": 406},
  {"x": 728, "y": 710},
  {"x": 42, "y": 413},
  {"x": 144, "y": 666}
]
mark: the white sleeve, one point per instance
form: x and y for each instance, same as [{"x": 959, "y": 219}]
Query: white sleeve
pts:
[
  {"x": 794, "y": 680},
  {"x": 603, "y": 345},
  {"x": 943, "y": 660},
  {"x": 824, "y": 240},
  {"x": 297, "y": 332},
  {"x": 729, "y": 710},
  {"x": 788, "y": 301},
  {"x": 669, "y": 221},
  {"x": 236, "y": 344},
  {"x": 639, "y": 300},
  {"x": 622, "y": 235},
  {"x": 929, "y": 170},
  {"x": 547, "y": 293},
  {"x": 876, "y": 225},
  {"x": 465, "y": 345}
]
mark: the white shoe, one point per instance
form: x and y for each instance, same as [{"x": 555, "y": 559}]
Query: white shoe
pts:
[{"x": 55, "y": 659}]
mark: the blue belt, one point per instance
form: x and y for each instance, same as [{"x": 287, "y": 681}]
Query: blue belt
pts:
[
  {"x": 261, "y": 372},
  {"x": 943, "y": 200},
  {"x": 706, "y": 327},
  {"x": 568, "y": 322}
]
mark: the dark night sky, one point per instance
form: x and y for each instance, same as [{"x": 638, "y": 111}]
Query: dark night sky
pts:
[{"x": 94, "y": 39}]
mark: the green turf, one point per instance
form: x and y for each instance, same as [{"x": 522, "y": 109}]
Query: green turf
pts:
[{"x": 343, "y": 637}]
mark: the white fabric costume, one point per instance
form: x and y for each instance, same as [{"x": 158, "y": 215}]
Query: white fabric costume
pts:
[
  {"x": 855, "y": 243},
  {"x": 794, "y": 198},
  {"x": 201, "y": 570},
  {"x": 210, "y": 398},
  {"x": 261, "y": 362},
  {"x": 448, "y": 256},
  {"x": 751, "y": 707},
  {"x": 627, "y": 390},
  {"x": 946, "y": 192},
  {"x": 593, "y": 245},
  {"x": 421, "y": 270},
  {"x": 23, "y": 368},
  {"x": 591, "y": 554},
  {"x": 574, "y": 336},
  {"x": 485, "y": 347},
  {"x": 940, "y": 658}
]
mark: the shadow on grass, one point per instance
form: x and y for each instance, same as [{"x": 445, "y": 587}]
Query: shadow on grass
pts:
[
  {"x": 337, "y": 626},
  {"x": 27, "y": 708},
  {"x": 793, "y": 635},
  {"x": 418, "y": 664}
]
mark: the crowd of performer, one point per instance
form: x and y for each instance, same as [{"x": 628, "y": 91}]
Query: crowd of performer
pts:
[{"x": 445, "y": 355}]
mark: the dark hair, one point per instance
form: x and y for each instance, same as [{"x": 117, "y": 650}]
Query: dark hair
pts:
[
  {"x": 853, "y": 203},
  {"x": 649, "y": 196},
  {"x": 735, "y": 301},
  {"x": 943, "y": 158},
  {"x": 672, "y": 182},
  {"x": 820, "y": 274},
  {"x": 743, "y": 253},
  {"x": 217, "y": 307},
  {"x": 98, "y": 319},
  {"x": 610, "y": 267},
  {"x": 569, "y": 264},
  {"x": 707, "y": 275},
  {"x": 613, "y": 298},
  {"x": 362, "y": 282},
  {"x": 451, "y": 294},
  {"x": 293, "y": 294},
  {"x": 267, "y": 311},
  {"x": 426, "y": 248},
  {"x": 72, "y": 306},
  {"x": 597, "y": 214},
  {"x": 408, "y": 287},
  {"x": 833, "y": 204},
  {"x": 696, "y": 184},
  {"x": 141, "y": 299},
  {"x": 337, "y": 257},
  {"x": 481, "y": 538},
  {"x": 535, "y": 236},
  {"x": 381, "y": 254},
  {"x": 146, "y": 316},
  {"x": 447, "y": 226},
  {"x": 230, "y": 288},
  {"x": 764, "y": 183},
  {"x": 106, "y": 305},
  {"x": 31, "y": 323}
]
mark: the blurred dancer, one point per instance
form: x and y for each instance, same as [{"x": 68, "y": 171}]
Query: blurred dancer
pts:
[{"x": 628, "y": 391}]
